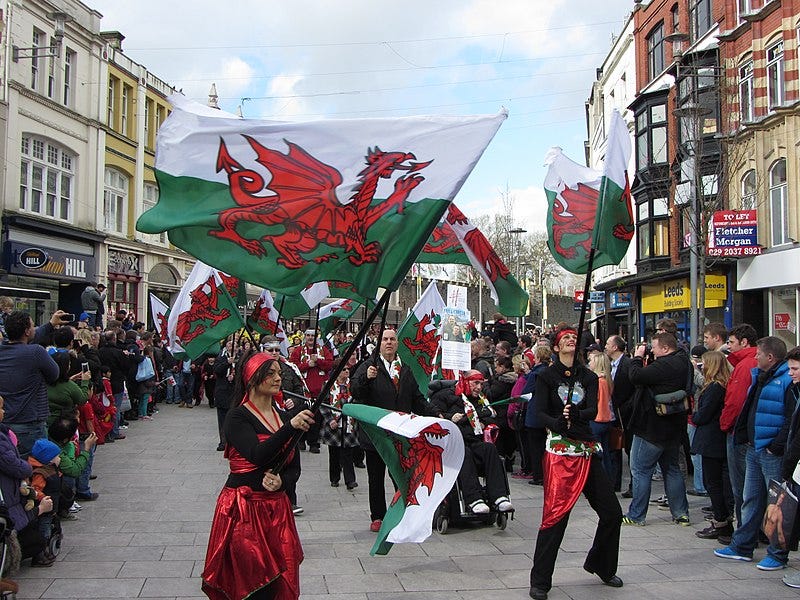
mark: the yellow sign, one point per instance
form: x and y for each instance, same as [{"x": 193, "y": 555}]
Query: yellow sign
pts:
[{"x": 675, "y": 294}]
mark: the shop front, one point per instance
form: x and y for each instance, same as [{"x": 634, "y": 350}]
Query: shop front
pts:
[
  {"x": 43, "y": 272},
  {"x": 124, "y": 278},
  {"x": 776, "y": 279},
  {"x": 672, "y": 299}
]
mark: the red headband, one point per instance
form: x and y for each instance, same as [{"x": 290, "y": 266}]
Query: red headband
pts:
[
  {"x": 253, "y": 364},
  {"x": 462, "y": 386},
  {"x": 564, "y": 332}
]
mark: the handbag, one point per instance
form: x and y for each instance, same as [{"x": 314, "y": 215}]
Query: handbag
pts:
[
  {"x": 616, "y": 438},
  {"x": 125, "y": 405},
  {"x": 145, "y": 370},
  {"x": 671, "y": 403}
]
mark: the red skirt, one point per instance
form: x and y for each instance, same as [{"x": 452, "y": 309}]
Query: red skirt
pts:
[{"x": 253, "y": 543}]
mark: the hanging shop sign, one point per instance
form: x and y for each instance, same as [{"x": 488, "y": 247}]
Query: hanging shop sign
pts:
[
  {"x": 734, "y": 233},
  {"x": 41, "y": 261}
]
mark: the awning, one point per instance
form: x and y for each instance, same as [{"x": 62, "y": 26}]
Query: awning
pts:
[{"x": 25, "y": 293}]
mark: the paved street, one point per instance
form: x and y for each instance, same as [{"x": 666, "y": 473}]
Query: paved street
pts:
[{"x": 146, "y": 538}]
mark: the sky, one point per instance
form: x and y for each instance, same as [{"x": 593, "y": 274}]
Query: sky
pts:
[{"x": 315, "y": 59}]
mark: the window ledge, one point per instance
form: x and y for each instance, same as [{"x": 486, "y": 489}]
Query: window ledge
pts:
[{"x": 763, "y": 12}]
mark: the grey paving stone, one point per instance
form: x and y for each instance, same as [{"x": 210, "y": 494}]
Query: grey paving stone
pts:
[
  {"x": 94, "y": 588},
  {"x": 157, "y": 568},
  {"x": 419, "y": 581},
  {"x": 368, "y": 582},
  {"x": 158, "y": 587}
]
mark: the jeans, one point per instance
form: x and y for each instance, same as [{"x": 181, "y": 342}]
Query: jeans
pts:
[
  {"x": 172, "y": 392},
  {"x": 143, "y": 402},
  {"x": 760, "y": 467},
  {"x": 601, "y": 432},
  {"x": 118, "y": 419},
  {"x": 82, "y": 485},
  {"x": 186, "y": 386},
  {"x": 697, "y": 463},
  {"x": 27, "y": 434},
  {"x": 736, "y": 456},
  {"x": 644, "y": 458}
]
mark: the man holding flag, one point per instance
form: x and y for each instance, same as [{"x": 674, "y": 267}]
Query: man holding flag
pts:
[{"x": 384, "y": 381}]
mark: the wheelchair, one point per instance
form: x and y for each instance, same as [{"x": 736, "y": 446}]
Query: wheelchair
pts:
[{"x": 453, "y": 510}]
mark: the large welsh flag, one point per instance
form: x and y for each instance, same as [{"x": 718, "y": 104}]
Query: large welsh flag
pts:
[
  {"x": 424, "y": 456},
  {"x": 457, "y": 240},
  {"x": 419, "y": 337},
  {"x": 587, "y": 207},
  {"x": 203, "y": 313},
  {"x": 284, "y": 204}
]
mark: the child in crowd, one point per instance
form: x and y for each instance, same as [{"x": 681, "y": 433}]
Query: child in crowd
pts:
[
  {"x": 46, "y": 480},
  {"x": 74, "y": 460}
]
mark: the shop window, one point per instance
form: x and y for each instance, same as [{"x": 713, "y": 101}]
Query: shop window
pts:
[
  {"x": 778, "y": 203},
  {"x": 775, "y": 76},
  {"x": 115, "y": 202},
  {"x": 36, "y": 61},
  {"x": 655, "y": 51},
  {"x": 748, "y": 197},
  {"x": 746, "y": 92},
  {"x": 123, "y": 296},
  {"x": 46, "y": 178}
]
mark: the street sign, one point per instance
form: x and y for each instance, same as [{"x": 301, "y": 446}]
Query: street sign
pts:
[
  {"x": 597, "y": 297},
  {"x": 734, "y": 233}
]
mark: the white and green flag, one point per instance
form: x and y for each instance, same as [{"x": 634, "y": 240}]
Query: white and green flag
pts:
[
  {"x": 282, "y": 204},
  {"x": 340, "y": 309},
  {"x": 424, "y": 456},
  {"x": 419, "y": 337}
]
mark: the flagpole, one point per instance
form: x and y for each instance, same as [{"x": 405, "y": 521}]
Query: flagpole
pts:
[
  {"x": 335, "y": 373},
  {"x": 278, "y": 319},
  {"x": 581, "y": 320}
]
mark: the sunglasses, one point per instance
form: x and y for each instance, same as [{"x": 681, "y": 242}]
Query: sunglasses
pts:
[{"x": 273, "y": 349}]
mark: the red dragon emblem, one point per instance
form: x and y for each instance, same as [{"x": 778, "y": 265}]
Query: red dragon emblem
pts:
[
  {"x": 303, "y": 202},
  {"x": 163, "y": 327},
  {"x": 204, "y": 307},
  {"x": 574, "y": 213},
  {"x": 486, "y": 255},
  {"x": 424, "y": 460},
  {"x": 425, "y": 343},
  {"x": 443, "y": 241}
]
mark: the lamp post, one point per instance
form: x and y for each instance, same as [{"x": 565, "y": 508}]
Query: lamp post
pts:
[{"x": 517, "y": 232}]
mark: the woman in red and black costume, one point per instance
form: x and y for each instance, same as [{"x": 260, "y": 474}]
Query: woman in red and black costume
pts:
[{"x": 254, "y": 551}]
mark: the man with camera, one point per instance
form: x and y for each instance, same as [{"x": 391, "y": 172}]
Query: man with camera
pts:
[
  {"x": 658, "y": 431},
  {"x": 25, "y": 370}
]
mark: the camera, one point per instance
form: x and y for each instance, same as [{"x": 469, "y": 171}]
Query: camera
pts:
[
  {"x": 85, "y": 367},
  {"x": 69, "y": 317}
]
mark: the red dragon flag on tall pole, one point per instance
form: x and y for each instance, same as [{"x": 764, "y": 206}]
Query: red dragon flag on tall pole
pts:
[
  {"x": 282, "y": 204},
  {"x": 203, "y": 313},
  {"x": 265, "y": 319},
  {"x": 457, "y": 240},
  {"x": 589, "y": 209},
  {"x": 424, "y": 456},
  {"x": 418, "y": 337},
  {"x": 159, "y": 311}
]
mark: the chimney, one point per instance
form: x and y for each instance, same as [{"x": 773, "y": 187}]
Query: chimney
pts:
[
  {"x": 213, "y": 99},
  {"x": 113, "y": 39}
]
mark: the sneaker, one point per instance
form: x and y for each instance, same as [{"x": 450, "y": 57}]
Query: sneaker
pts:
[
  {"x": 697, "y": 493},
  {"x": 479, "y": 507},
  {"x": 629, "y": 521},
  {"x": 146, "y": 418},
  {"x": 314, "y": 449},
  {"x": 122, "y": 427},
  {"x": 70, "y": 516},
  {"x": 683, "y": 521},
  {"x": 660, "y": 500},
  {"x": 770, "y": 563},
  {"x": 91, "y": 496},
  {"x": 521, "y": 475},
  {"x": 725, "y": 540},
  {"x": 793, "y": 580},
  {"x": 297, "y": 510},
  {"x": 727, "y": 552},
  {"x": 375, "y": 526},
  {"x": 43, "y": 559},
  {"x": 503, "y": 505},
  {"x": 627, "y": 494},
  {"x": 712, "y": 532},
  {"x": 75, "y": 507}
]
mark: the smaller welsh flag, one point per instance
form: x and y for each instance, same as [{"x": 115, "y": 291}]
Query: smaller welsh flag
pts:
[
  {"x": 340, "y": 309},
  {"x": 300, "y": 304},
  {"x": 203, "y": 313},
  {"x": 588, "y": 208},
  {"x": 265, "y": 319},
  {"x": 160, "y": 313},
  {"x": 419, "y": 337},
  {"x": 424, "y": 456}
]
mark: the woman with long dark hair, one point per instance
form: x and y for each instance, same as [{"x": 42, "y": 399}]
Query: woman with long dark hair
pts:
[{"x": 253, "y": 549}]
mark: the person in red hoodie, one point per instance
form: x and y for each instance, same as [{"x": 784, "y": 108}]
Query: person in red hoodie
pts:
[{"x": 742, "y": 346}]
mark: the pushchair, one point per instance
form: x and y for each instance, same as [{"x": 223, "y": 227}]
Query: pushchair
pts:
[{"x": 5, "y": 532}]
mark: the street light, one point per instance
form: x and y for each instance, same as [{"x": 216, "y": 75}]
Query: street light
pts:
[
  {"x": 33, "y": 52},
  {"x": 517, "y": 231}
]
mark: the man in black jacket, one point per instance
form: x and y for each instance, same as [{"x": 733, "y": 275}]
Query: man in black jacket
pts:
[
  {"x": 384, "y": 381},
  {"x": 657, "y": 439},
  {"x": 621, "y": 396}
]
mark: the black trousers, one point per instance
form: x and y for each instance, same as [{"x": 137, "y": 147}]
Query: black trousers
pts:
[
  {"x": 311, "y": 436},
  {"x": 482, "y": 458},
  {"x": 537, "y": 438},
  {"x": 604, "y": 553},
  {"x": 221, "y": 414},
  {"x": 718, "y": 486},
  {"x": 341, "y": 460},
  {"x": 376, "y": 473}
]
